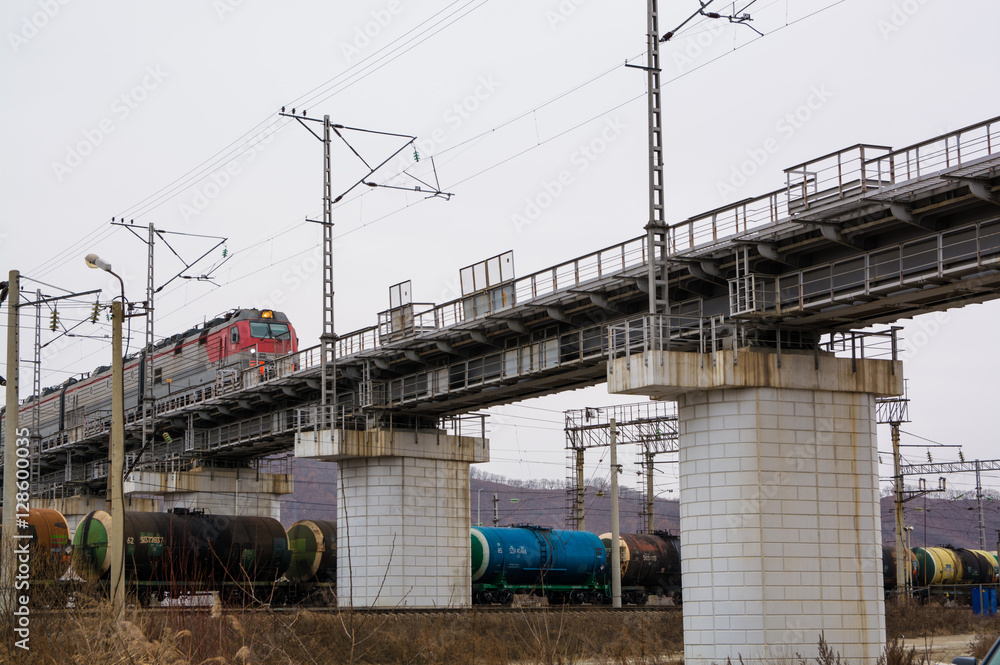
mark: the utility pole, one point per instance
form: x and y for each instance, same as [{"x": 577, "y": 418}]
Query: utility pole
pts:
[
  {"x": 898, "y": 476},
  {"x": 656, "y": 229},
  {"x": 895, "y": 411},
  {"x": 117, "y": 537},
  {"x": 328, "y": 362},
  {"x": 496, "y": 510},
  {"x": 979, "y": 502},
  {"x": 581, "y": 489},
  {"x": 616, "y": 556},
  {"x": 7, "y": 559},
  {"x": 328, "y": 339},
  {"x": 146, "y": 395},
  {"x": 650, "y": 504},
  {"x": 36, "y": 406},
  {"x": 148, "y": 399}
]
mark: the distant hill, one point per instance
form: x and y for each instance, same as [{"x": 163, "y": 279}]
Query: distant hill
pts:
[{"x": 948, "y": 521}]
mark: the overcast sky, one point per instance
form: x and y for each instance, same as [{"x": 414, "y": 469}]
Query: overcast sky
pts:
[{"x": 165, "y": 113}]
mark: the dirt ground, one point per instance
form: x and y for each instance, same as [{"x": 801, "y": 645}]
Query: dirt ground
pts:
[{"x": 943, "y": 647}]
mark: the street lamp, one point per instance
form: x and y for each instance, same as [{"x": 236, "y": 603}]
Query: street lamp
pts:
[{"x": 117, "y": 537}]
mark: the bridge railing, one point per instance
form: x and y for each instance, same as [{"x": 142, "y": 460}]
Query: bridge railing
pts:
[
  {"x": 940, "y": 153},
  {"x": 860, "y": 344},
  {"x": 660, "y": 332},
  {"x": 840, "y": 175},
  {"x": 468, "y": 424}
]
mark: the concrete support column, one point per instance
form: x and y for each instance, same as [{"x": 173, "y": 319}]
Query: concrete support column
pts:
[
  {"x": 403, "y": 514},
  {"x": 780, "y": 525}
]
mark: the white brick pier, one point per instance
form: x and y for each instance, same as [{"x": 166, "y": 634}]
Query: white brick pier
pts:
[
  {"x": 402, "y": 514},
  {"x": 780, "y": 528}
]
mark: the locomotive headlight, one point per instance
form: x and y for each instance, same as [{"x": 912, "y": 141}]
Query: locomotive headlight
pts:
[{"x": 267, "y": 314}]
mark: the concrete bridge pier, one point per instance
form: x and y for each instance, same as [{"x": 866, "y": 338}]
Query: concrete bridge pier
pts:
[
  {"x": 403, "y": 514},
  {"x": 779, "y": 514},
  {"x": 219, "y": 491}
]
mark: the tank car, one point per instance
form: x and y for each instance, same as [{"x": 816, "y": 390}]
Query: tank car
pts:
[
  {"x": 650, "y": 563},
  {"x": 48, "y": 542},
  {"x": 935, "y": 566},
  {"x": 890, "y": 579},
  {"x": 182, "y": 552},
  {"x": 564, "y": 566},
  {"x": 977, "y": 566},
  {"x": 312, "y": 566}
]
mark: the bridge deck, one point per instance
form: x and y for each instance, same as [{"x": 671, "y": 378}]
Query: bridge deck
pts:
[{"x": 862, "y": 236}]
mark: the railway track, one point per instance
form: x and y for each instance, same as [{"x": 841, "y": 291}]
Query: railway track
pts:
[{"x": 384, "y": 611}]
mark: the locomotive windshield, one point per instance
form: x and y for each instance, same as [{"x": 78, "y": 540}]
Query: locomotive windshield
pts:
[{"x": 262, "y": 330}]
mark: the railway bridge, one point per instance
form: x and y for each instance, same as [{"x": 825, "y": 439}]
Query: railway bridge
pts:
[{"x": 756, "y": 317}]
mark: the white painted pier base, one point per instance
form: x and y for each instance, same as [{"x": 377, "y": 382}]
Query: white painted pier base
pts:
[
  {"x": 780, "y": 526},
  {"x": 402, "y": 514}
]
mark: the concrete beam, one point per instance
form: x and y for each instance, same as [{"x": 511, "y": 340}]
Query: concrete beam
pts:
[
  {"x": 219, "y": 491},
  {"x": 423, "y": 444},
  {"x": 668, "y": 374}
]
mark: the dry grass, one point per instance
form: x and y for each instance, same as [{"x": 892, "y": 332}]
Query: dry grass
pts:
[
  {"x": 87, "y": 636},
  {"x": 930, "y": 619},
  {"x": 184, "y": 637}
]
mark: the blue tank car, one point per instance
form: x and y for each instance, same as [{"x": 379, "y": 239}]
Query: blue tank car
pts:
[{"x": 564, "y": 566}]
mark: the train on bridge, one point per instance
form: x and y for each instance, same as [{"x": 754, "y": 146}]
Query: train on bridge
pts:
[{"x": 234, "y": 341}]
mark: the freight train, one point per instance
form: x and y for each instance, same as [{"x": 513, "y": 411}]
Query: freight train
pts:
[
  {"x": 943, "y": 571},
  {"x": 253, "y": 558},
  {"x": 184, "y": 552},
  {"x": 238, "y": 340},
  {"x": 571, "y": 566}
]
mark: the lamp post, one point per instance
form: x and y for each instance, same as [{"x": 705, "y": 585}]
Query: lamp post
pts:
[{"x": 117, "y": 537}]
